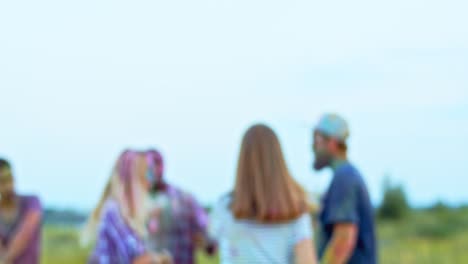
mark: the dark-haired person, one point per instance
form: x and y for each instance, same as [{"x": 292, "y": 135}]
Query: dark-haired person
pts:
[
  {"x": 180, "y": 226},
  {"x": 20, "y": 222},
  {"x": 347, "y": 218}
]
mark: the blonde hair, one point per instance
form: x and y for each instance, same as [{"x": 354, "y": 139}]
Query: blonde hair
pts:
[
  {"x": 126, "y": 188},
  {"x": 265, "y": 190}
]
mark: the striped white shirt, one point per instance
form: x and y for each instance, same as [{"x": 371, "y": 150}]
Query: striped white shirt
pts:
[{"x": 250, "y": 242}]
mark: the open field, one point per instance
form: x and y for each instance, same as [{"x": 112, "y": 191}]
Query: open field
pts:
[{"x": 424, "y": 237}]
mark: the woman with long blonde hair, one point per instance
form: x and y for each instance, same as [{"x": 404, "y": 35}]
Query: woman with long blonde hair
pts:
[
  {"x": 265, "y": 219},
  {"x": 117, "y": 224}
]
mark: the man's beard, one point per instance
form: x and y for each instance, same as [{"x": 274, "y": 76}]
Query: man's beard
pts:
[{"x": 322, "y": 161}]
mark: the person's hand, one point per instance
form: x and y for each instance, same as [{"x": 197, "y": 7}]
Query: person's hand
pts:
[
  {"x": 3, "y": 251},
  {"x": 3, "y": 260},
  {"x": 153, "y": 220},
  {"x": 163, "y": 258},
  {"x": 143, "y": 259},
  {"x": 199, "y": 240},
  {"x": 205, "y": 243},
  {"x": 151, "y": 258},
  {"x": 3, "y": 255}
]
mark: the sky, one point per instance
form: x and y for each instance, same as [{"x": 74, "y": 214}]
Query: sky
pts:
[{"x": 82, "y": 80}]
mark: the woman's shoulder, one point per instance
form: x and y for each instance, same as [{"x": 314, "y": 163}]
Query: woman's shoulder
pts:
[
  {"x": 110, "y": 209},
  {"x": 304, "y": 220},
  {"x": 302, "y": 227},
  {"x": 29, "y": 198},
  {"x": 31, "y": 202},
  {"x": 224, "y": 203},
  {"x": 226, "y": 198},
  {"x": 222, "y": 208}
]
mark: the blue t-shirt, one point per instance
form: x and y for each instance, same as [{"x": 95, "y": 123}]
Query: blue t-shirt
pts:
[{"x": 347, "y": 201}]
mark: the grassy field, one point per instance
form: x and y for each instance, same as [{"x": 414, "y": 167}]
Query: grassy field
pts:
[
  {"x": 60, "y": 246},
  {"x": 424, "y": 237},
  {"x": 415, "y": 249}
]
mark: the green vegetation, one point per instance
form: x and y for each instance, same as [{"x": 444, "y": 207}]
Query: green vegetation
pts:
[
  {"x": 438, "y": 234},
  {"x": 434, "y": 235},
  {"x": 60, "y": 245},
  {"x": 394, "y": 205},
  {"x": 425, "y": 236}
]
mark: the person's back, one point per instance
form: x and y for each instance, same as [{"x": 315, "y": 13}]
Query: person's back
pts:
[
  {"x": 249, "y": 241},
  {"x": 265, "y": 219}
]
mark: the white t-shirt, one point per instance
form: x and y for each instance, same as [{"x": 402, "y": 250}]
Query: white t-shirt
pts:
[{"x": 251, "y": 242}]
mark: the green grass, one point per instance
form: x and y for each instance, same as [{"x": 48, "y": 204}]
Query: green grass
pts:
[
  {"x": 60, "y": 246},
  {"x": 417, "y": 249},
  {"x": 423, "y": 237}
]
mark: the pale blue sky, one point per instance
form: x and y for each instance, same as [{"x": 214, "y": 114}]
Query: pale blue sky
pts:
[{"x": 80, "y": 81}]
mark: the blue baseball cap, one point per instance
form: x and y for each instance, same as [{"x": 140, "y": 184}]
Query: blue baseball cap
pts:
[{"x": 334, "y": 126}]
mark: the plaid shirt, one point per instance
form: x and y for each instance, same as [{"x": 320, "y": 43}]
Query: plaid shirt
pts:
[
  {"x": 116, "y": 242},
  {"x": 174, "y": 229}
]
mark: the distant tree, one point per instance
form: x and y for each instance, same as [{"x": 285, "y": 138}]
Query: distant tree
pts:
[
  {"x": 440, "y": 207},
  {"x": 394, "y": 205}
]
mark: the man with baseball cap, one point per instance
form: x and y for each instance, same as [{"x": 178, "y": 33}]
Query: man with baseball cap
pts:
[{"x": 347, "y": 217}]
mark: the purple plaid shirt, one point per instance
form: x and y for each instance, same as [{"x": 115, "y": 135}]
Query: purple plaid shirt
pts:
[
  {"x": 117, "y": 243},
  {"x": 179, "y": 220}
]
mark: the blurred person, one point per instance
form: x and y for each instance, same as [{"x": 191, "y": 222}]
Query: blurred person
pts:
[
  {"x": 180, "y": 224},
  {"x": 119, "y": 220},
  {"x": 347, "y": 217},
  {"x": 20, "y": 222},
  {"x": 266, "y": 218}
]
